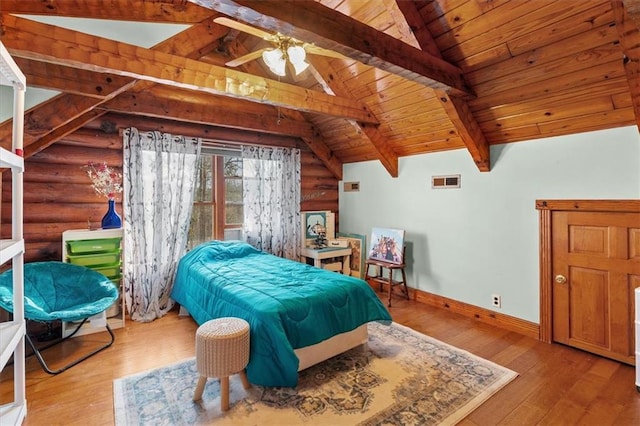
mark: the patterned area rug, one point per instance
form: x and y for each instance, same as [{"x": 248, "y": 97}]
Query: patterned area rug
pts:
[{"x": 402, "y": 377}]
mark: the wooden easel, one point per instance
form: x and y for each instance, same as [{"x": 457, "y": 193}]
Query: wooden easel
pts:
[{"x": 389, "y": 281}]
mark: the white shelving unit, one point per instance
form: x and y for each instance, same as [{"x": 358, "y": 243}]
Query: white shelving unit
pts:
[{"x": 12, "y": 332}]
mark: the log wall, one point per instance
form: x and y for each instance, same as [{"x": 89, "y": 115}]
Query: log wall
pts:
[{"x": 58, "y": 194}]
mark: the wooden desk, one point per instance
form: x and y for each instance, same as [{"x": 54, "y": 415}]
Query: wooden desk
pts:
[{"x": 318, "y": 255}]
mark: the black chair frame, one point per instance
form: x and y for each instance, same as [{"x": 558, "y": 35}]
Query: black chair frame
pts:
[{"x": 38, "y": 351}]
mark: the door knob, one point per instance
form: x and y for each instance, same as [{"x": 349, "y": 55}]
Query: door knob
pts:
[{"x": 561, "y": 279}]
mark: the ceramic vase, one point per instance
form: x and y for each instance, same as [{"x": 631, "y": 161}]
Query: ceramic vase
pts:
[{"x": 111, "y": 220}]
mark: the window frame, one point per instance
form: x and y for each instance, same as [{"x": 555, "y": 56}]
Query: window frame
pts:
[{"x": 218, "y": 198}]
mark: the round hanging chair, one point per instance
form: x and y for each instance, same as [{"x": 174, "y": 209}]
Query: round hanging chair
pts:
[{"x": 59, "y": 291}]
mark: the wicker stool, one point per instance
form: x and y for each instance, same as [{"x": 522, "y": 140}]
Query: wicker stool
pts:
[{"x": 222, "y": 349}]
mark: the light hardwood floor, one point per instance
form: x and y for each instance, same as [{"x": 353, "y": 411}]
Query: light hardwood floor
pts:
[{"x": 557, "y": 385}]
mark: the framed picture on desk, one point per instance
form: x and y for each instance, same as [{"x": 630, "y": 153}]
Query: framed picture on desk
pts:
[
  {"x": 358, "y": 247},
  {"x": 324, "y": 218}
]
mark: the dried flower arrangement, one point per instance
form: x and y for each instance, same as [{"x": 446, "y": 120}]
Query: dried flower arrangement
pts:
[{"x": 105, "y": 180}]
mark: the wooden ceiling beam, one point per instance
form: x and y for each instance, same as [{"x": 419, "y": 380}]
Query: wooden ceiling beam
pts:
[
  {"x": 632, "y": 8},
  {"x": 151, "y": 103},
  {"x": 325, "y": 75},
  {"x": 71, "y": 80},
  {"x": 61, "y": 131},
  {"x": 386, "y": 155},
  {"x": 627, "y": 16},
  {"x": 318, "y": 146},
  {"x": 33, "y": 40},
  {"x": 173, "y": 11},
  {"x": 43, "y": 119},
  {"x": 315, "y": 23},
  {"x": 219, "y": 134},
  {"x": 468, "y": 129},
  {"x": 418, "y": 27},
  {"x": 456, "y": 107}
]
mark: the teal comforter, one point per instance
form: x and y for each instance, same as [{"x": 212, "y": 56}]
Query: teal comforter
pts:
[{"x": 288, "y": 304}]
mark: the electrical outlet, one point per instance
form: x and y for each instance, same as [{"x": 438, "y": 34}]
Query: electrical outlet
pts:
[{"x": 496, "y": 300}]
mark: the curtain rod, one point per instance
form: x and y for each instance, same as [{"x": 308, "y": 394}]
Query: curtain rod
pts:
[
  {"x": 237, "y": 146},
  {"x": 219, "y": 149},
  {"x": 228, "y": 144}
]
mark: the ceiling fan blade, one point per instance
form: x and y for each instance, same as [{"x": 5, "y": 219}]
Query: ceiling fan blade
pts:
[
  {"x": 243, "y": 27},
  {"x": 245, "y": 58},
  {"x": 315, "y": 50},
  {"x": 298, "y": 77}
]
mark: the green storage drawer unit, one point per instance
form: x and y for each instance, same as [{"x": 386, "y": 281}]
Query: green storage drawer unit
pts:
[
  {"x": 95, "y": 259},
  {"x": 100, "y": 250},
  {"x": 93, "y": 246},
  {"x": 110, "y": 271}
]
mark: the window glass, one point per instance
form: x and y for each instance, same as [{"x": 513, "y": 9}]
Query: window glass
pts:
[
  {"x": 206, "y": 225},
  {"x": 204, "y": 181},
  {"x": 233, "y": 201},
  {"x": 233, "y": 191},
  {"x": 202, "y": 220}
]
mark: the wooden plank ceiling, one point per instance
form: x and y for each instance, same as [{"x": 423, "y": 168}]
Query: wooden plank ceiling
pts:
[{"x": 405, "y": 77}]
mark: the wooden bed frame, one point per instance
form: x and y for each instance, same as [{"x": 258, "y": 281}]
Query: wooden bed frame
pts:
[{"x": 314, "y": 354}]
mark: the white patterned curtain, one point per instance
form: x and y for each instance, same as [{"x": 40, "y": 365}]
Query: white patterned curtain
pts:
[
  {"x": 271, "y": 199},
  {"x": 159, "y": 177}
]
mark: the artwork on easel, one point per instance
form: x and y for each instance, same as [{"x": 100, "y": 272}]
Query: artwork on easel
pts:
[{"x": 387, "y": 245}]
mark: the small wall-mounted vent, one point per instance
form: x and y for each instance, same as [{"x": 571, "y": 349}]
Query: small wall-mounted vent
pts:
[
  {"x": 447, "y": 181},
  {"x": 351, "y": 186}
]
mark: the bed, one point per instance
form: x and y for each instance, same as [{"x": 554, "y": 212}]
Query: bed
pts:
[{"x": 299, "y": 314}]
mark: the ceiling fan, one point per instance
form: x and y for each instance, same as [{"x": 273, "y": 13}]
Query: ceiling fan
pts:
[{"x": 285, "y": 50}]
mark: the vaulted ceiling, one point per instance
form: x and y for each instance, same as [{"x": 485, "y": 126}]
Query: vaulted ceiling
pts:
[{"x": 405, "y": 77}]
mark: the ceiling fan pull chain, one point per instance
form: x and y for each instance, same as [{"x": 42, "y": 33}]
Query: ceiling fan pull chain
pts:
[{"x": 279, "y": 115}]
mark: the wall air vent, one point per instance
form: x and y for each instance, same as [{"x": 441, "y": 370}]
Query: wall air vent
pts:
[
  {"x": 446, "y": 181},
  {"x": 351, "y": 186}
]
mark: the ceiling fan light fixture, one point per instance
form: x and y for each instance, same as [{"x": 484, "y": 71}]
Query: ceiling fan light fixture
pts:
[
  {"x": 297, "y": 56},
  {"x": 275, "y": 60}
]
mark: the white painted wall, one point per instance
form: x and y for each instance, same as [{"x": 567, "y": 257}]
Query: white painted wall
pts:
[{"x": 482, "y": 239}]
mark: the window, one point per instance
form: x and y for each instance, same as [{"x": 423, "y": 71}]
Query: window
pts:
[{"x": 217, "y": 205}]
